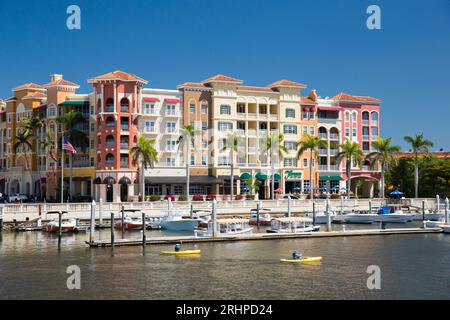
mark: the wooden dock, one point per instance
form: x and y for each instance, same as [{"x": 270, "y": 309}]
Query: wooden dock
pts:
[{"x": 262, "y": 236}]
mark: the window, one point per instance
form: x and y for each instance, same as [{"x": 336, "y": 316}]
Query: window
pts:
[
  {"x": 305, "y": 129},
  {"x": 354, "y": 116},
  {"x": 9, "y": 131},
  {"x": 374, "y": 118},
  {"x": 170, "y": 110},
  {"x": 170, "y": 145},
  {"x": 170, "y": 162},
  {"x": 203, "y": 160},
  {"x": 225, "y": 126},
  {"x": 311, "y": 131},
  {"x": 311, "y": 115},
  {"x": 204, "y": 125},
  {"x": 240, "y": 108},
  {"x": 305, "y": 163},
  {"x": 306, "y": 186},
  {"x": 171, "y": 126},
  {"x": 92, "y": 108},
  {"x": 92, "y": 127},
  {"x": 59, "y": 127},
  {"x": 290, "y": 129},
  {"x": 178, "y": 189},
  {"x": 347, "y": 116},
  {"x": 290, "y": 113},
  {"x": 204, "y": 143},
  {"x": 225, "y": 109},
  {"x": 290, "y": 145},
  {"x": 313, "y": 162},
  {"x": 9, "y": 117},
  {"x": 290, "y": 162},
  {"x": 365, "y": 146},
  {"x": 374, "y": 131},
  {"x": 204, "y": 108},
  {"x": 305, "y": 115},
  {"x": 149, "y": 126},
  {"x": 347, "y": 132},
  {"x": 224, "y": 161},
  {"x": 192, "y": 160},
  {"x": 192, "y": 107},
  {"x": 51, "y": 112},
  {"x": 149, "y": 108},
  {"x": 354, "y": 133}
]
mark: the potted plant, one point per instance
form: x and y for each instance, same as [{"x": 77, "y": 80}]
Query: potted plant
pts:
[
  {"x": 169, "y": 196},
  {"x": 197, "y": 197},
  {"x": 210, "y": 197}
]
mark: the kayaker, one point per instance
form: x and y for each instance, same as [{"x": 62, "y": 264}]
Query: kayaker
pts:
[
  {"x": 177, "y": 247},
  {"x": 296, "y": 255}
]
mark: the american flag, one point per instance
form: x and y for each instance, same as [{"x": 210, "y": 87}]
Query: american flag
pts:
[{"x": 68, "y": 146}]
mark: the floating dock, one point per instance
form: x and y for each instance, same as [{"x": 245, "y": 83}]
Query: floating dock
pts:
[{"x": 262, "y": 236}]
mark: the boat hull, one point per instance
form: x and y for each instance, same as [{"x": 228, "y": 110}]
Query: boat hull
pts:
[
  {"x": 261, "y": 222},
  {"x": 207, "y": 233},
  {"x": 360, "y": 218},
  {"x": 182, "y": 253},
  {"x": 428, "y": 216},
  {"x": 304, "y": 260},
  {"x": 393, "y": 218},
  {"x": 180, "y": 225},
  {"x": 296, "y": 230}
]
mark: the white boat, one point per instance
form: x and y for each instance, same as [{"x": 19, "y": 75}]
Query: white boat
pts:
[
  {"x": 445, "y": 228},
  {"x": 264, "y": 219},
  {"x": 393, "y": 214},
  {"x": 129, "y": 223},
  {"x": 225, "y": 227},
  {"x": 174, "y": 221},
  {"x": 292, "y": 225},
  {"x": 360, "y": 218},
  {"x": 67, "y": 225},
  {"x": 431, "y": 216},
  {"x": 321, "y": 217}
]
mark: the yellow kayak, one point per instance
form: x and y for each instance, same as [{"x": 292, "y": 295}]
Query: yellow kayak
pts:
[
  {"x": 303, "y": 260},
  {"x": 181, "y": 253}
]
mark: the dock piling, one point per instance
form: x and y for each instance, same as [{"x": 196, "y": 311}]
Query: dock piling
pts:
[
  {"x": 446, "y": 211},
  {"x": 112, "y": 232},
  {"x": 100, "y": 212},
  {"x": 59, "y": 228},
  {"x": 92, "y": 226},
  {"x": 257, "y": 216},
  {"x": 314, "y": 213},
  {"x": 328, "y": 215},
  {"x": 144, "y": 240},
  {"x": 1, "y": 218},
  {"x": 370, "y": 206},
  {"x": 213, "y": 217},
  {"x": 122, "y": 219},
  {"x": 423, "y": 210}
]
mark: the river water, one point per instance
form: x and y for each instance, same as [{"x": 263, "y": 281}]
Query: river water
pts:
[{"x": 412, "y": 267}]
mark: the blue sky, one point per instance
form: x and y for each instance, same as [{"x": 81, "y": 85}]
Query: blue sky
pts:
[{"x": 324, "y": 44}]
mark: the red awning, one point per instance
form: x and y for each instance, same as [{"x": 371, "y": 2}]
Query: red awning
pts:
[
  {"x": 331, "y": 108},
  {"x": 2, "y": 111},
  {"x": 306, "y": 108},
  {"x": 312, "y": 109},
  {"x": 151, "y": 99},
  {"x": 41, "y": 106},
  {"x": 172, "y": 100}
]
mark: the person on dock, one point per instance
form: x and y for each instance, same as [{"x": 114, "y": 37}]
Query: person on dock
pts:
[
  {"x": 296, "y": 255},
  {"x": 177, "y": 247}
]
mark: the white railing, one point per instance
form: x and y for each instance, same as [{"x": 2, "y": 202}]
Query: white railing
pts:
[
  {"x": 334, "y": 136},
  {"x": 323, "y": 152},
  {"x": 323, "y": 135},
  {"x": 334, "y": 152}
]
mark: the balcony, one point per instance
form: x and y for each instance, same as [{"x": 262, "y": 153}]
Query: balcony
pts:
[
  {"x": 110, "y": 145},
  {"x": 323, "y": 167},
  {"x": 109, "y": 109},
  {"x": 124, "y": 146},
  {"x": 366, "y": 168},
  {"x": 328, "y": 120},
  {"x": 124, "y": 127},
  {"x": 273, "y": 117},
  {"x": 78, "y": 164},
  {"x": 373, "y": 138},
  {"x": 374, "y": 123},
  {"x": 334, "y": 152},
  {"x": 124, "y": 164},
  {"x": 323, "y": 152},
  {"x": 323, "y": 135},
  {"x": 334, "y": 167},
  {"x": 365, "y": 137},
  {"x": 365, "y": 122}
]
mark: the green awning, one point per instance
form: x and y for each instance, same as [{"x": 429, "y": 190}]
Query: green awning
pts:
[
  {"x": 277, "y": 176},
  {"x": 293, "y": 175},
  {"x": 246, "y": 176},
  {"x": 73, "y": 103},
  {"x": 261, "y": 176},
  {"x": 330, "y": 178}
]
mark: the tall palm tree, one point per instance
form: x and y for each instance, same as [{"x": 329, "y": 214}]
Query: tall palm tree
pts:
[
  {"x": 383, "y": 155},
  {"x": 350, "y": 152},
  {"x": 312, "y": 144},
  {"x": 22, "y": 143},
  {"x": 73, "y": 122},
  {"x": 231, "y": 143},
  {"x": 145, "y": 154},
  {"x": 418, "y": 144},
  {"x": 47, "y": 145},
  {"x": 32, "y": 125},
  {"x": 185, "y": 140},
  {"x": 273, "y": 146}
]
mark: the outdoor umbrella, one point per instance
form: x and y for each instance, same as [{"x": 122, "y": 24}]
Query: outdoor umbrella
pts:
[{"x": 278, "y": 190}]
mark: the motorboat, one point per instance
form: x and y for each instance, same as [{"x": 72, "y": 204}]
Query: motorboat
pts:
[
  {"x": 67, "y": 225},
  {"x": 174, "y": 221},
  {"x": 129, "y": 223},
  {"x": 359, "y": 218},
  {"x": 292, "y": 225},
  {"x": 431, "y": 216},
  {"x": 321, "y": 217},
  {"x": 36, "y": 225},
  {"x": 225, "y": 227},
  {"x": 393, "y": 214}
]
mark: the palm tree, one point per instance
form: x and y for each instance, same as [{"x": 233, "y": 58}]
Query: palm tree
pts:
[
  {"x": 273, "y": 145},
  {"x": 145, "y": 154},
  {"x": 253, "y": 185},
  {"x": 383, "y": 155},
  {"x": 418, "y": 144},
  {"x": 72, "y": 121},
  {"x": 32, "y": 125},
  {"x": 22, "y": 141},
  {"x": 47, "y": 145},
  {"x": 350, "y": 152},
  {"x": 311, "y": 143},
  {"x": 231, "y": 142},
  {"x": 185, "y": 140}
]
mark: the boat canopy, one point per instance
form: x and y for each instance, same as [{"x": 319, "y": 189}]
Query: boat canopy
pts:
[{"x": 231, "y": 221}]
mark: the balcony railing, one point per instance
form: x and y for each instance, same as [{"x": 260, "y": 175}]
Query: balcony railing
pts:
[
  {"x": 124, "y": 127},
  {"x": 323, "y": 152},
  {"x": 334, "y": 136},
  {"x": 334, "y": 167},
  {"x": 323, "y": 167},
  {"x": 374, "y": 122},
  {"x": 78, "y": 164},
  {"x": 109, "y": 109},
  {"x": 334, "y": 152},
  {"x": 124, "y": 164},
  {"x": 124, "y": 146},
  {"x": 323, "y": 135},
  {"x": 124, "y": 109},
  {"x": 110, "y": 144},
  {"x": 373, "y": 138},
  {"x": 365, "y": 121},
  {"x": 365, "y": 137},
  {"x": 110, "y": 124},
  {"x": 366, "y": 168}
]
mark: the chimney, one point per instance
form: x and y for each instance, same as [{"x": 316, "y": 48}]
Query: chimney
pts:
[
  {"x": 313, "y": 95},
  {"x": 55, "y": 77}
]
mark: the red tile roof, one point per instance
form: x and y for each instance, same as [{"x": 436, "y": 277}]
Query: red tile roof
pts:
[
  {"x": 28, "y": 86},
  {"x": 191, "y": 84},
  {"x": 118, "y": 75},
  {"x": 222, "y": 78},
  {"x": 61, "y": 82},
  {"x": 348, "y": 97},
  {"x": 286, "y": 83},
  {"x": 307, "y": 100}
]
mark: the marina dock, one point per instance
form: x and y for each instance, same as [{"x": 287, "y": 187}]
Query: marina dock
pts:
[{"x": 262, "y": 236}]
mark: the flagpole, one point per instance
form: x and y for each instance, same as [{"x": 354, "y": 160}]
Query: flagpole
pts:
[{"x": 62, "y": 168}]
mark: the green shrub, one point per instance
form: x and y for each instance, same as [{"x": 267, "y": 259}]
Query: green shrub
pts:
[
  {"x": 250, "y": 196},
  {"x": 155, "y": 197},
  {"x": 182, "y": 198},
  {"x": 335, "y": 196}
]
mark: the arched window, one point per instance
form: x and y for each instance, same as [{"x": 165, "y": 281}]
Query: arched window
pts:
[
  {"x": 124, "y": 105},
  {"x": 374, "y": 118},
  {"x": 354, "y": 116},
  {"x": 109, "y": 159},
  {"x": 109, "y": 141},
  {"x": 51, "y": 111},
  {"x": 110, "y": 105},
  {"x": 323, "y": 132},
  {"x": 365, "y": 117}
]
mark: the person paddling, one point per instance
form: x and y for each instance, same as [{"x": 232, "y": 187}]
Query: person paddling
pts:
[
  {"x": 177, "y": 247},
  {"x": 296, "y": 255}
]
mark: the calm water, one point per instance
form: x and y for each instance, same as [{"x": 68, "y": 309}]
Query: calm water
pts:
[{"x": 412, "y": 266}]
